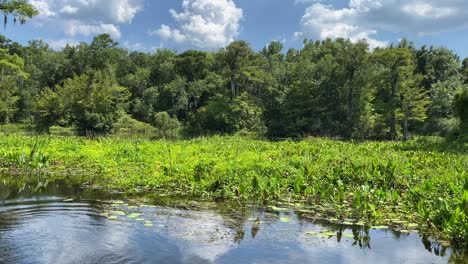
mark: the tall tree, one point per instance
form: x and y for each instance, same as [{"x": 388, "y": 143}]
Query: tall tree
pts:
[
  {"x": 397, "y": 68},
  {"x": 415, "y": 100},
  {"x": 11, "y": 72},
  {"x": 236, "y": 58}
]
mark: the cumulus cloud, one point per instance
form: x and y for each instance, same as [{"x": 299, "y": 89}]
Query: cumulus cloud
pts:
[
  {"x": 61, "y": 43},
  {"x": 205, "y": 24},
  {"x": 86, "y": 17},
  {"x": 365, "y": 18}
]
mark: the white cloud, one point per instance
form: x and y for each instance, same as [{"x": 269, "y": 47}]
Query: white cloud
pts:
[
  {"x": 77, "y": 28},
  {"x": 136, "y": 46},
  {"x": 86, "y": 17},
  {"x": 366, "y": 18},
  {"x": 69, "y": 10},
  {"x": 61, "y": 43},
  {"x": 205, "y": 24}
]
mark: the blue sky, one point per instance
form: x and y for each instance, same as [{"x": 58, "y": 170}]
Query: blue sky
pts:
[{"x": 211, "y": 24}]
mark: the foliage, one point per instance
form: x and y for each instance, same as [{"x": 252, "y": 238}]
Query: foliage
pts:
[
  {"x": 90, "y": 102},
  {"x": 166, "y": 125},
  {"x": 19, "y": 9},
  {"x": 422, "y": 181},
  {"x": 461, "y": 110},
  {"x": 333, "y": 88}
]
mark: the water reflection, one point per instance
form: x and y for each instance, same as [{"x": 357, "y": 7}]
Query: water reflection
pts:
[{"x": 60, "y": 222}]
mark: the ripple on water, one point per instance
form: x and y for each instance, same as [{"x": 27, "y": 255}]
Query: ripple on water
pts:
[{"x": 57, "y": 230}]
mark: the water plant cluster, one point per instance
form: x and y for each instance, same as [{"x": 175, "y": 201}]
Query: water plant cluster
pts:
[{"x": 417, "y": 185}]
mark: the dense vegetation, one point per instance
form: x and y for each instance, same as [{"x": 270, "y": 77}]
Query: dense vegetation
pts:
[
  {"x": 330, "y": 88},
  {"x": 419, "y": 184}
]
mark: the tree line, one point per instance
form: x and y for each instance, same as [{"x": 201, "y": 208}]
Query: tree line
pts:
[{"x": 333, "y": 88}]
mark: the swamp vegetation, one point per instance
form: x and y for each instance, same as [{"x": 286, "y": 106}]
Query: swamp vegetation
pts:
[
  {"x": 170, "y": 100},
  {"x": 417, "y": 185}
]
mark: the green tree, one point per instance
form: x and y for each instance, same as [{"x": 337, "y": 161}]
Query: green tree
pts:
[
  {"x": 11, "y": 72},
  {"x": 441, "y": 112},
  {"x": 49, "y": 110},
  {"x": 461, "y": 110},
  {"x": 465, "y": 70},
  {"x": 92, "y": 103},
  {"x": 397, "y": 69},
  {"x": 414, "y": 103},
  {"x": 236, "y": 59},
  {"x": 19, "y": 9}
]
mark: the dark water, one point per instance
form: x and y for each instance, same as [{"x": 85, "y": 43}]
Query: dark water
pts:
[{"x": 64, "y": 224}]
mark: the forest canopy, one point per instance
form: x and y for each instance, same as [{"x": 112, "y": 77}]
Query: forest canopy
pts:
[{"x": 333, "y": 88}]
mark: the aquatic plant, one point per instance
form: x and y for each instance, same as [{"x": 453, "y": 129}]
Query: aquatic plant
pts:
[{"x": 421, "y": 182}]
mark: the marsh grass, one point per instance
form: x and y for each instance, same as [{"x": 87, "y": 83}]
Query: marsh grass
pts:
[{"x": 379, "y": 183}]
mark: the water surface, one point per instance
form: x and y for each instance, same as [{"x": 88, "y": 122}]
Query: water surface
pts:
[{"x": 66, "y": 224}]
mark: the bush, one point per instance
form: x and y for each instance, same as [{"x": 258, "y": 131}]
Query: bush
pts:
[{"x": 166, "y": 125}]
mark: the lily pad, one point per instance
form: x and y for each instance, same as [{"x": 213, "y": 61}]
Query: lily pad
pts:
[
  {"x": 379, "y": 227},
  {"x": 326, "y": 234},
  {"x": 134, "y": 215},
  {"x": 278, "y": 209}
]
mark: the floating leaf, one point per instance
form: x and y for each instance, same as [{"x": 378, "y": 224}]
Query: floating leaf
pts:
[
  {"x": 132, "y": 207},
  {"x": 348, "y": 235},
  {"x": 285, "y": 219},
  {"x": 149, "y": 223},
  {"x": 312, "y": 233},
  {"x": 120, "y": 213},
  {"x": 379, "y": 227},
  {"x": 134, "y": 215},
  {"x": 277, "y": 209},
  {"x": 113, "y": 217},
  {"x": 347, "y": 223},
  {"x": 140, "y": 219},
  {"x": 404, "y": 231},
  {"x": 326, "y": 234}
]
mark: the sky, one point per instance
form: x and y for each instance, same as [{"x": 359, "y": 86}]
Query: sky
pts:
[{"x": 146, "y": 25}]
